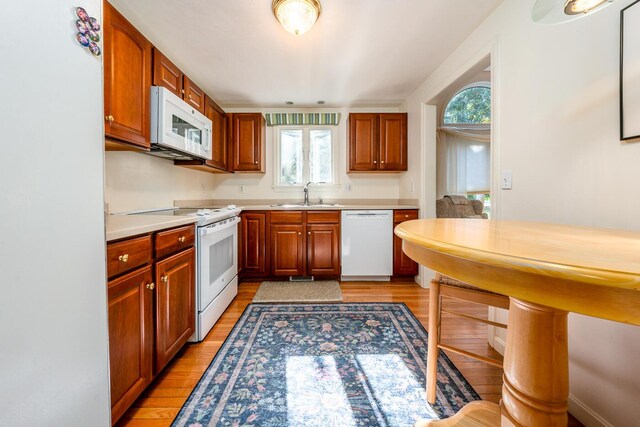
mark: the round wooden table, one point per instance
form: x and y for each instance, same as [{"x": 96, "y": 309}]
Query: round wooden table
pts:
[{"x": 547, "y": 271}]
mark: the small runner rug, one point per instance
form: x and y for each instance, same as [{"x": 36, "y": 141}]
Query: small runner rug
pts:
[
  {"x": 323, "y": 365},
  {"x": 297, "y": 292}
]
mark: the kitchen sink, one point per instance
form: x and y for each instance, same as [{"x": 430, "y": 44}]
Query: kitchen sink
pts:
[{"x": 303, "y": 205}]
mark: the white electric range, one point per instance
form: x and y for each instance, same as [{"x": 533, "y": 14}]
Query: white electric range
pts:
[{"x": 216, "y": 261}]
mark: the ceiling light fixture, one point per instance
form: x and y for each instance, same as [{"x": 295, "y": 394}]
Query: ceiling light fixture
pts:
[
  {"x": 549, "y": 12},
  {"x": 576, "y": 7},
  {"x": 296, "y": 16}
]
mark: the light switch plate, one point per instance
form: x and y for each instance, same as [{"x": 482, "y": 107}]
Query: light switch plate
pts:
[{"x": 507, "y": 179}]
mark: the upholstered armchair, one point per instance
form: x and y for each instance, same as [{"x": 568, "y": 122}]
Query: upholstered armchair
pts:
[{"x": 459, "y": 207}]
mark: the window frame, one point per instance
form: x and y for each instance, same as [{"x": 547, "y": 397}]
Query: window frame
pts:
[
  {"x": 306, "y": 171},
  {"x": 484, "y": 84}
]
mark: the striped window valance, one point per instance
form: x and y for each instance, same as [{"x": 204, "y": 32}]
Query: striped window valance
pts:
[{"x": 282, "y": 119}]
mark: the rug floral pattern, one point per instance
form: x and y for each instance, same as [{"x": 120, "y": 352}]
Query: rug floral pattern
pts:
[{"x": 323, "y": 365}]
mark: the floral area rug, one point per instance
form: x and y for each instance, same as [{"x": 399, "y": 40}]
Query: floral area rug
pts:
[{"x": 323, "y": 365}]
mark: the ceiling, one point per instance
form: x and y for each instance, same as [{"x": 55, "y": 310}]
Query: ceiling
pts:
[{"x": 359, "y": 53}]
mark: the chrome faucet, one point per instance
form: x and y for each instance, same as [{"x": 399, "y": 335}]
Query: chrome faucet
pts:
[{"x": 306, "y": 193}]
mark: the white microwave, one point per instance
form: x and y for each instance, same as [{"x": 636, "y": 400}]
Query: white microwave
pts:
[{"x": 176, "y": 126}]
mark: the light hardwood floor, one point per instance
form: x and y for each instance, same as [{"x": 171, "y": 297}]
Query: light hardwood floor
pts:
[{"x": 162, "y": 401}]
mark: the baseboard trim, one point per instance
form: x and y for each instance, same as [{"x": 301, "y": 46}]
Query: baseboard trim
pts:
[
  {"x": 586, "y": 415},
  {"x": 499, "y": 345}
]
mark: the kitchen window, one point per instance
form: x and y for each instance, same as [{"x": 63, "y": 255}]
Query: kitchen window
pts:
[{"x": 304, "y": 154}]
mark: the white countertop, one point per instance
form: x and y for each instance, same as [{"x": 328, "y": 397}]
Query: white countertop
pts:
[{"x": 121, "y": 226}]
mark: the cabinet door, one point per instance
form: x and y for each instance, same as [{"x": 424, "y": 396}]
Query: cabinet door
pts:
[
  {"x": 363, "y": 142},
  {"x": 254, "y": 244},
  {"x": 247, "y": 142},
  {"x": 193, "y": 95},
  {"x": 130, "y": 338},
  {"x": 175, "y": 305},
  {"x": 166, "y": 74},
  {"x": 219, "y": 136},
  {"x": 393, "y": 142},
  {"x": 402, "y": 264},
  {"x": 287, "y": 250},
  {"x": 127, "y": 80},
  {"x": 323, "y": 250}
]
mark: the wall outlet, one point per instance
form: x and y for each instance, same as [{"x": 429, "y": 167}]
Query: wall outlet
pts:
[
  {"x": 347, "y": 187},
  {"x": 507, "y": 179},
  {"x": 242, "y": 188},
  {"x": 413, "y": 187}
]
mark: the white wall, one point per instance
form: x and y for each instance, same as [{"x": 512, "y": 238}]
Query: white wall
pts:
[
  {"x": 363, "y": 186},
  {"x": 558, "y": 132},
  {"x": 141, "y": 181},
  {"x": 53, "y": 325}
]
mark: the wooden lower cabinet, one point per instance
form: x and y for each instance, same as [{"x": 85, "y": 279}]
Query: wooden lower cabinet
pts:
[
  {"x": 130, "y": 302},
  {"x": 151, "y": 315},
  {"x": 402, "y": 264},
  {"x": 175, "y": 310},
  {"x": 304, "y": 243},
  {"x": 287, "y": 250},
  {"x": 254, "y": 243},
  {"x": 323, "y": 249}
]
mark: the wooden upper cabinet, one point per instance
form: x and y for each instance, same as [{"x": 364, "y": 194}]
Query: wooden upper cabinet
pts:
[
  {"x": 193, "y": 95},
  {"x": 127, "y": 80},
  {"x": 130, "y": 301},
  {"x": 166, "y": 74},
  {"x": 377, "y": 142},
  {"x": 393, "y": 142},
  {"x": 363, "y": 142},
  {"x": 247, "y": 142},
  {"x": 175, "y": 305},
  {"x": 219, "y": 155}
]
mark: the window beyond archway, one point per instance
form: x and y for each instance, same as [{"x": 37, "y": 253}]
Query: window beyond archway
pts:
[{"x": 471, "y": 105}]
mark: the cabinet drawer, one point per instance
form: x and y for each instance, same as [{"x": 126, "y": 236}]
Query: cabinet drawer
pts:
[
  {"x": 402, "y": 215},
  {"x": 286, "y": 217},
  {"x": 128, "y": 254},
  {"x": 323, "y": 217},
  {"x": 171, "y": 241}
]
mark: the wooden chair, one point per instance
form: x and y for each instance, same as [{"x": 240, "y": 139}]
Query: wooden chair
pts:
[
  {"x": 456, "y": 206},
  {"x": 443, "y": 286}
]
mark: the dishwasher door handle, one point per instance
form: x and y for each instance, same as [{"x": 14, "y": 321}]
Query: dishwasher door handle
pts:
[{"x": 367, "y": 215}]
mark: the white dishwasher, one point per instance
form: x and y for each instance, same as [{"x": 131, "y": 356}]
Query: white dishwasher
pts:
[{"x": 367, "y": 244}]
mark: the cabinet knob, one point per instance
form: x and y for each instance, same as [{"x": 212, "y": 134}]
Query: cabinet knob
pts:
[
  {"x": 165, "y": 279},
  {"x": 182, "y": 90},
  {"x": 109, "y": 118},
  {"x": 406, "y": 216},
  {"x": 381, "y": 161},
  {"x": 151, "y": 286},
  {"x": 375, "y": 162},
  {"x": 309, "y": 233},
  {"x": 124, "y": 258},
  {"x": 182, "y": 239},
  {"x": 189, "y": 96},
  {"x": 299, "y": 233},
  {"x": 256, "y": 162}
]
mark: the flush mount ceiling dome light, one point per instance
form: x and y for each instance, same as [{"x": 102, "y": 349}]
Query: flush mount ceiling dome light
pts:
[
  {"x": 296, "y": 16},
  {"x": 576, "y": 7},
  {"x": 559, "y": 11}
]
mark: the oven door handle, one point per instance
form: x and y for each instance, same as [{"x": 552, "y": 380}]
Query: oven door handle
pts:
[{"x": 214, "y": 228}]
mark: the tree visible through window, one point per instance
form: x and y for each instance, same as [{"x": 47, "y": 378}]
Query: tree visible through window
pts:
[
  {"x": 305, "y": 154},
  {"x": 472, "y": 105}
]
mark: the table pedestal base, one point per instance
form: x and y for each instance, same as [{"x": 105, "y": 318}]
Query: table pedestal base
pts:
[{"x": 536, "y": 373}]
